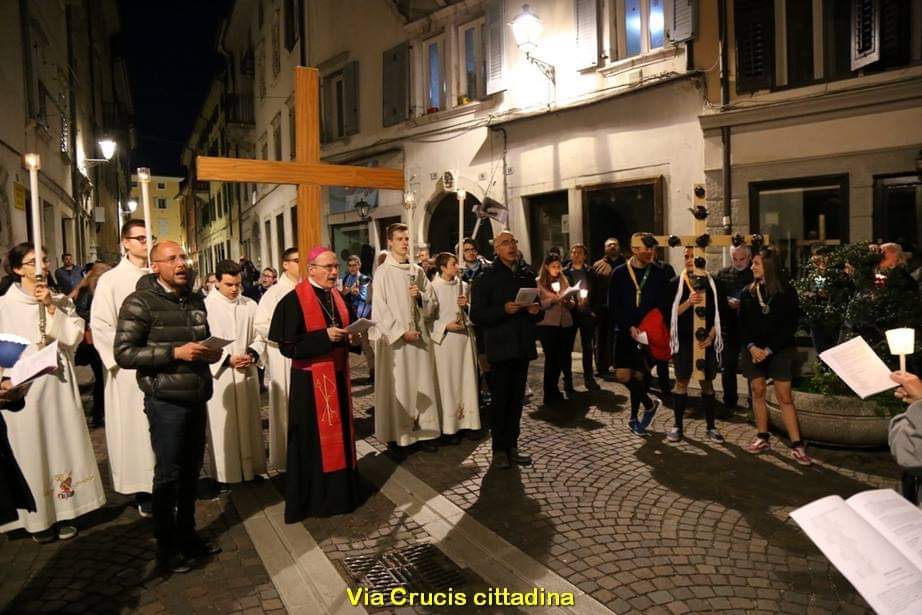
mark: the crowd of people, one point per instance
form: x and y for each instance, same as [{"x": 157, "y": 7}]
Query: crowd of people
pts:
[{"x": 179, "y": 369}]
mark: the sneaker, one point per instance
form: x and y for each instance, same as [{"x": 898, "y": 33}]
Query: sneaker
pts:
[
  {"x": 146, "y": 509},
  {"x": 66, "y": 532},
  {"x": 647, "y": 417},
  {"x": 175, "y": 563},
  {"x": 520, "y": 458},
  {"x": 674, "y": 434},
  {"x": 636, "y": 428},
  {"x": 197, "y": 547},
  {"x": 716, "y": 437},
  {"x": 501, "y": 460},
  {"x": 758, "y": 445},
  {"x": 800, "y": 456}
]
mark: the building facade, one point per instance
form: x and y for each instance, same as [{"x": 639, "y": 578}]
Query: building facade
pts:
[
  {"x": 165, "y": 207},
  {"x": 65, "y": 88}
]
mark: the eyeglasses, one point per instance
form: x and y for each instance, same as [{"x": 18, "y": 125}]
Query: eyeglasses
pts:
[
  {"x": 31, "y": 263},
  {"x": 173, "y": 259},
  {"x": 332, "y": 267}
]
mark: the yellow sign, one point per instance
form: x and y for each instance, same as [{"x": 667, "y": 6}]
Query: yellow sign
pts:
[{"x": 19, "y": 196}]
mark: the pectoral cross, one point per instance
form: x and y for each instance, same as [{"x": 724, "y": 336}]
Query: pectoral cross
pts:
[
  {"x": 323, "y": 387},
  {"x": 306, "y": 171},
  {"x": 700, "y": 241}
]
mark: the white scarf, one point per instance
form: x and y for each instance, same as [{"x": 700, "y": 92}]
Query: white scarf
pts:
[{"x": 674, "y": 321}]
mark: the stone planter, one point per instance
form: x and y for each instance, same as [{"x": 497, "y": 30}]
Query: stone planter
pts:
[{"x": 830, "y": 419}]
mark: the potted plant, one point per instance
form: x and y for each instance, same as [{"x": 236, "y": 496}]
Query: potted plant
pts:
[{"x": 841, "y": 296}]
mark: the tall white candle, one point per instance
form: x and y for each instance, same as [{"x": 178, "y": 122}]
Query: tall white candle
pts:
[
  {"x": 34, "y": 163},
  {"x": 144, "y": 182},
  {"x": 462, "y": 196},
  {"x": 409, "y": 200}
]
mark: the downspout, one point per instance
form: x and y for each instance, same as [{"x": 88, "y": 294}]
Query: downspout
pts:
[
  {"x": 302, "y": 22},
  {"x": 725, "y": 137},
  {"x": 94, "y": 124}
]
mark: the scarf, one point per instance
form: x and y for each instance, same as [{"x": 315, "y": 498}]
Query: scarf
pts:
[{"x": 674, "y": 320}]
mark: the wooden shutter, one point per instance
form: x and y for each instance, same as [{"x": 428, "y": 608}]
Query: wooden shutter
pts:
[
  {"x": 895, "y": 33},
  {"x": 865, "y": 36},
  {"x": 754, "y": 26},
  {"x": 351, "y": 98},
  {"x": 396, "y": 84},
  {"x": 587, "y": 33},
  {"x": 494, "y": 44},
  {"x": 682, "y": 19}
]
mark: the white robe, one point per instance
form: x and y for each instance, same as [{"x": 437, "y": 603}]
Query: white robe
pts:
[
  {"x": 406, "y": 402},
  {"x": 233, "y": 410},
  {"x": 131, "y": 455},
  {"x": 454, "y": 360},
  {"x": 278, "y": 372},
  {"x": 49, "y": 436}
]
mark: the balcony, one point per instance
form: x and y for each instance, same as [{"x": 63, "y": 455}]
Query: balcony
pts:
[{"x": 238, "y": 109}]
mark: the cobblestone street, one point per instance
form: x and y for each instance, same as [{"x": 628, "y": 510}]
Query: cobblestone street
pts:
[{"x": 640, "y": 525}]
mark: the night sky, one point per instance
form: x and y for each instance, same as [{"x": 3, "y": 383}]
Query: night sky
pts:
[{"x": 171, "y": 48}]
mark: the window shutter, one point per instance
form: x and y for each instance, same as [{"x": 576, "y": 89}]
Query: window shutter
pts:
[
  {"x": 682, "y": 20},
  {"x": 865, "y": 32},
  {"x": 753, "y": 22},
  {"x": 494, "y": 44},
  {"x": 587, "y": 33},
  {"x": 396, "y": 85},
  {"x": 351, "y": 98}
]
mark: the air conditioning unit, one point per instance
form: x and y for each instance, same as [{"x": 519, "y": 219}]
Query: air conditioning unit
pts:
[{"x": 449, "y": 180}]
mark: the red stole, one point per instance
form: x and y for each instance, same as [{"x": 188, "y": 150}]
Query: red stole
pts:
[{"x": 323, "y": 369}]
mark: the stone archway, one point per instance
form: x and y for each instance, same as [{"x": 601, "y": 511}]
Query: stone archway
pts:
[{"x": 442, "y": 224}]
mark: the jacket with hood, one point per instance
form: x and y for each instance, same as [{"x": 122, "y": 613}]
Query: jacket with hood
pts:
[{"x": 151, "y": 323}]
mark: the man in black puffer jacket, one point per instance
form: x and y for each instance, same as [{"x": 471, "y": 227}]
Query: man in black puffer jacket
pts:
[{"x": 160, "y": 329}]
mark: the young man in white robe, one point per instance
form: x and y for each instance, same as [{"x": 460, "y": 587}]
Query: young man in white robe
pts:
[
  {"x": 131, "y": 456},
  {"x": 453, "y": 345},
  {"x": 278, "y": 368},
  {"x": 406, "y": 401},
  {"x": 49, "y": 437},
  {"x": 233, "y": 410}
]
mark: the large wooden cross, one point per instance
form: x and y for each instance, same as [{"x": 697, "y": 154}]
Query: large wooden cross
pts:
[
  {"x": 700, "y": 241},
  {"x": 306, "y": 170}
]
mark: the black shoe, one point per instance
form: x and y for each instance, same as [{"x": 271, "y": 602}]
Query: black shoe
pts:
[
  {"x": 452, "y": 439},
  {"x": 396, "y": 452},
  {"x": 175, "y": 563},
  {"x": 516, "y": 457},
  {"x": 428, "y": 446},
  {"x": 197, "y": 547},
  {"x": 501, "y": 460},
  {"x": 568, "y": 388},
  {"x": 474, "y": 434},
  {"x": 592, "y": 385}
]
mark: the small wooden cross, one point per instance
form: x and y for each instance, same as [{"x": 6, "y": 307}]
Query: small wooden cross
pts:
[
  {"x": 700, "y": 241},
  {"x": 306, "y": 170}
]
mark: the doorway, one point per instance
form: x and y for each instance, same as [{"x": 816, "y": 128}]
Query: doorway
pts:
[
  {"x": 898, "y": 211},
  {"x": 442, "y": 233},
  {"x": 620, "y": 210}
]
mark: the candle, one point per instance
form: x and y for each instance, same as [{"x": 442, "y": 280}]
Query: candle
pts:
[
  {"x": 583, "y": 293},
  {"x": 462, "y": 195},
  {"x": 34, "y": 163},
  {"x": 902, "y": 342},
  {"x": 555, "y": 286},
  {"x": 144, "y": 181}
]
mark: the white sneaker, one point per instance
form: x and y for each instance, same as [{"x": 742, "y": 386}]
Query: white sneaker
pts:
[{"x": 674, "y": 434}]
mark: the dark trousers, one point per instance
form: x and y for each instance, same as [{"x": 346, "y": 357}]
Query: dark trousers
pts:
[
  {"x": 555, "y": 341},
  {"x": 507, "y": 386},
  {"x": 177, "y": 434},
  {"x": 584, "y": 324},
  {"x": 729, "y": 367},
  {"x": 87, "y": 355},
  {"x": 604, "y": 339}
]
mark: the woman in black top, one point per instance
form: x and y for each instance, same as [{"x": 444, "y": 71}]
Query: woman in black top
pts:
[
  {"x": 82, "y": 295},
  {"x": 768, "y": 320}
]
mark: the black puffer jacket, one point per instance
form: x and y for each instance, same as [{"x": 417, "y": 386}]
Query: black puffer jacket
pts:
[{"x": 151, "y": 323}]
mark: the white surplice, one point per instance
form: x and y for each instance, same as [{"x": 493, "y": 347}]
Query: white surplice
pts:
[
  {"x": 233, "y": 410},
  {"x": 278, "y": 372},
  {"x": 131, "y": 455},
  {"x": 406, "y": 402},
  {"x": 454, "y": 360},
  {"x": 49, "y": 436}
]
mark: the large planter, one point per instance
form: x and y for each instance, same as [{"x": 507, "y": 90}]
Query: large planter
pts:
[{"x": 831, "y": 419}]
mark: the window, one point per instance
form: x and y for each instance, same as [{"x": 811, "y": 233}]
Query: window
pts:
[
  {"x": 268, "y": 242},
  {"x": 293, "y": 214},
  {"x": 292, "y": 14},
  {"x": 277, "y": 136},
  {"x": 434, "y": 67},
  {"x": 340, "y": 103},
  {"x": 472, "y": 63},
  {"x": 548, "y": 223},
  {"x": 349, "y": 239},
  {"x": 161, "y": 185},
  {"x": 898, "y": 210},
  {"x": 264, "y": 147},
  {"x": 280, "y": 235},
  {"x": 640, "y": 28},
  {"x": 161, "y": 203},
  {"x": 794, "y": 211}
]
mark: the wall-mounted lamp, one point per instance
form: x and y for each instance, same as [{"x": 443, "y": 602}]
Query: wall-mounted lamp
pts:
[
  {"x": 363, "y": 209},
  {"x": 107, "y": 146},
  {"x": 527, "y": 28},
  {"x": 132, "y": 205}
]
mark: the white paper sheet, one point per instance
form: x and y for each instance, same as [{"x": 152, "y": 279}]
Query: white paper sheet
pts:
[
  {"x": 360, "y": 326},
  {"x": 895, "y": 518},
  {"x": 526, "y": 296},
  {"x": 216, "y": 343},
  {"x": 859, "y": 367},
  {"x": 34, "y": 364}
]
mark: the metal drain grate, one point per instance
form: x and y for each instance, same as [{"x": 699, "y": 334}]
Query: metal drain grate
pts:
[{"x": 419, "y": 568}]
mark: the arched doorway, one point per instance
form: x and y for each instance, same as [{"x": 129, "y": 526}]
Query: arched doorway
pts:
[{"x": 442, "y": 235}]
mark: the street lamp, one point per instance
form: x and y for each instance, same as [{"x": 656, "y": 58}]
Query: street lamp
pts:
[
  {"x": 132, "y": 205},
  {"x": 363, "y": 208},
  {"x": 527, "y": 28},
  {"x": 107, "y": 147}
]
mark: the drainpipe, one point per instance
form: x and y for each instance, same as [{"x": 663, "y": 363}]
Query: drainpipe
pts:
[
  {"x": 725, "y": 137},
  {"x": 302, "y": 22}
]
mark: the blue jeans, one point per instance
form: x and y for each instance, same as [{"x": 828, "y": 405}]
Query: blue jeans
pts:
[{"x": 177, "y": 434}]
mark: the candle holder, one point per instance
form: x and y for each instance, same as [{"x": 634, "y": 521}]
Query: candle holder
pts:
[{"x": 902, "y": 342}]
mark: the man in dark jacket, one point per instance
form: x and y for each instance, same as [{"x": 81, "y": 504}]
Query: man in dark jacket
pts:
[
  {"x": 735, "y": 279},
  {"x": 160, "y": 329},
  {"x": 598, "y": 301},
  {"x": 509, "y": 339}
]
